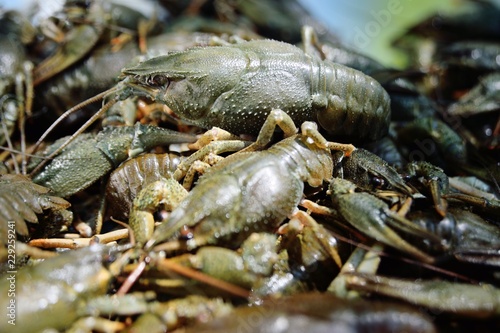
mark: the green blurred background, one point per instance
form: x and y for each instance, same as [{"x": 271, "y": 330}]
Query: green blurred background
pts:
[{"x": 370, "y": 26}]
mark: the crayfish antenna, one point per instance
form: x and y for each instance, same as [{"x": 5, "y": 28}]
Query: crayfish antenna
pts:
[
  {"x": 132, "y": 277},
  {"x": 136, "y": 273},
  {"x": 87, "y": 124},
  {"x": 75, "y": 108},
  {"x": 6, "y": 133},
  {"x": 167, "y": 265},
  {"x": 26, "y": 104}
]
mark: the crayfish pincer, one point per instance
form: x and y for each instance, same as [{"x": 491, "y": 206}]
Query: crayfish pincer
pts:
[
  {"x": 90, "y": 157},
  {"x": 236, "y": 86},
  {"x": 253, "y": 191}
]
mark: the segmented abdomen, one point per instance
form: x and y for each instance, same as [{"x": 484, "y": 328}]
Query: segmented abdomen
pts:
[{"x": 358, "y": 106}]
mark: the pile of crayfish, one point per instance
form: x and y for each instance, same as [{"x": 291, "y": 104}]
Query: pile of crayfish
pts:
[{"x": 227, "y": 166}]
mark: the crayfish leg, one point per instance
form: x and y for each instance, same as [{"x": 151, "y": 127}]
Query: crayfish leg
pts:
[
  {"x": 277, "y": 118},
  {"x": 310, "y": 130},
  {"x": 361, "y": 260}
]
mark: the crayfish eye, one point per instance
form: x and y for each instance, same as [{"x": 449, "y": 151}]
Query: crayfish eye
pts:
[
  {"x": 186, "y": 233},
  {"x": 157, "y": 81},
  {"x": 407, "y": 177},
  {"x": 378, "y": 182}
]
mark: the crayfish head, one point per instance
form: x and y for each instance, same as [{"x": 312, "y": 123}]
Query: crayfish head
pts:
[{"x": 189, "y": 82}]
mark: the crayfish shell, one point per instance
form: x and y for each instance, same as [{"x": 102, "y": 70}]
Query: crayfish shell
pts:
[
  {"x": 21, "y": 201},
  {"x": 127, "y": 181}
]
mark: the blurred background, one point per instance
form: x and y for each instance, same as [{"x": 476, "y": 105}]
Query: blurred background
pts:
[{"x": 368, "y": 26}]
